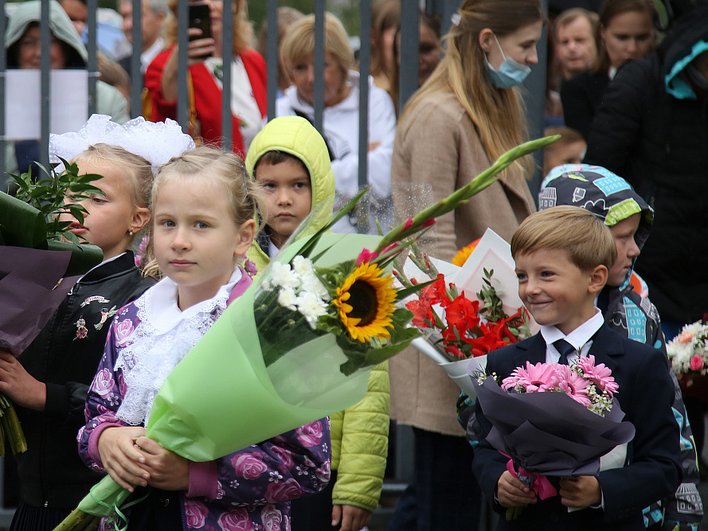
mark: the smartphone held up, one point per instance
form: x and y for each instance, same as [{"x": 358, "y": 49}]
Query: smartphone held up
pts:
[{"x": 200, "y": 18}]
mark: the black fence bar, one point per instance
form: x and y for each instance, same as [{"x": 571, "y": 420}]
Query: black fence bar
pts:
[
  {"x": 182, "y": 92},
  {"x": 273, "y": 56},
  {"x": 319, "y": 64},
  {"x": 92, "y": 64},
  {"x": 3, "y": 68},
  {"x": 409, "y": 51},
  {"x": 364, "y": 63},
  {"x": 227, "y": 58},
  {"x": 44, "y": 83},
  {"x": 136, "y": 74}
]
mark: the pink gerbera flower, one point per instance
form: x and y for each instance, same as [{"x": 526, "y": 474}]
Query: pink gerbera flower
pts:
[
  {"x": 536, "y": 378},
  {"x": 574, "y": 385},
  {"x": 599, "y": 374}
]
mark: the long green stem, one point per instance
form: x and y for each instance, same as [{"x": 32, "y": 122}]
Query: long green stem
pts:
[{"x": 476, "y": 185}]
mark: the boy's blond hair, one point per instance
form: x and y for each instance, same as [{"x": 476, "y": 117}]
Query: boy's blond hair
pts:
[{"x": 586, "y": 238}]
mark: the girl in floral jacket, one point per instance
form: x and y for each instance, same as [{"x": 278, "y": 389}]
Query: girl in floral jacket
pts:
[{"x": 203, "y": 227}]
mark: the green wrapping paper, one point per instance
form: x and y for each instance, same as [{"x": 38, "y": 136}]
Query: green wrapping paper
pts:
[{"x": 254, "y": 403}]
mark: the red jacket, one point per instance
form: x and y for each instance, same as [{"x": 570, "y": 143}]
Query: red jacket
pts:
[{"x": 204, "y": 98}]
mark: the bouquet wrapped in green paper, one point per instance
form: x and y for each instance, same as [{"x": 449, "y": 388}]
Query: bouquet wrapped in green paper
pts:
[
  {"x": 298, "y": 345},
  {"x": 38, "y": 258}
]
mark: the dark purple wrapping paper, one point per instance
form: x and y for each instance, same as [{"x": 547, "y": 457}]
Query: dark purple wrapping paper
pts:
[
  {"x": 550, "y": 433},
  {"x": 30, "y": 292}
]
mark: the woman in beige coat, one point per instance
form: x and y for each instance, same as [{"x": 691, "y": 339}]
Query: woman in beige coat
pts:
[{"x": 467, "y": 114}]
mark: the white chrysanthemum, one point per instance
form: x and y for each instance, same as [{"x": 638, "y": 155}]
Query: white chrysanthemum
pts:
[
  {"x": 288, "y": 299},
  {"x": 312, "y": 284},
  {"x": 282, "y": 276},
  {"x": 311, "y": 307},
  {"x": 302, "y": 266}
]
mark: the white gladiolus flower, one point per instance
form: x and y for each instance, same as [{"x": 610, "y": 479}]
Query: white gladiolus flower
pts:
[
  {"x": 282, "y": 276},
  {"x": 288, "y": 299},
  {"x": 312, "y": 284},
  {"x": 311, "y": 307},
  {"x": 302, "y": 266}
]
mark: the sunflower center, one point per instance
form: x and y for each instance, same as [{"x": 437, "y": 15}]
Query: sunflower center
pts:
[{"x": 363, "y": 302}]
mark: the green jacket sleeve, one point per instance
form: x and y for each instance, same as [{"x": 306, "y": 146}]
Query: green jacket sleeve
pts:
[{"x": 360, "y": 445}]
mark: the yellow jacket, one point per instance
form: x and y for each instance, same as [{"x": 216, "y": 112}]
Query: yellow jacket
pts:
[{"x": 359, "y": 433}]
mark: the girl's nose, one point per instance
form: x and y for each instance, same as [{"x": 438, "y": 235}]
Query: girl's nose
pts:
[{"x": 180, "y": 241}]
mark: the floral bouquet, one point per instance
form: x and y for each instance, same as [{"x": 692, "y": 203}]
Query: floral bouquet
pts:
[
  {"x": 460, "y": 331},
  {"x": 298, "y": 345},
  {"x": 688, "y": 352},
  {"x": 38, "y": 256},
  {"x": 553, "y": 420}
]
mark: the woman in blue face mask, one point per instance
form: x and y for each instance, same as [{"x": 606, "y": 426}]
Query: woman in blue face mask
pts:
[{"x": 465, "y": 115}]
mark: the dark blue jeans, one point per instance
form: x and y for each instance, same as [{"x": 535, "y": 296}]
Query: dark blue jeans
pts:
[{"x": 444, "y": 495}]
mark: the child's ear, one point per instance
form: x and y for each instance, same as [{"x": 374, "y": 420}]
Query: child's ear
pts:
[
  {"x": 141, "y": 217},
  {"x": 598, "y": 279},
  {"x": 246, "y": 233}
]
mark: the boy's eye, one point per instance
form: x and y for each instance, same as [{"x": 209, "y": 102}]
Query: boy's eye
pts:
[
  {"x": 521, "y": 277},
  {"x": 269, "y": 186},
  {"x": 546, "y": 274},
  {"x": 300, "y": 185},
  {"x": 201, "y": 225}
]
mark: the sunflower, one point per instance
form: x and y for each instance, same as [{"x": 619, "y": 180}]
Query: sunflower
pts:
[{"x": 366, "y": 303}]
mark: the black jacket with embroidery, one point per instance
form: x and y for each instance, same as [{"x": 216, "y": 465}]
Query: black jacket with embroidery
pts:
[{"x": 65, "y": 355}]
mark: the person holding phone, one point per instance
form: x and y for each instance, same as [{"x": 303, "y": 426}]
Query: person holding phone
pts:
[{"x": 206, "y": 64}]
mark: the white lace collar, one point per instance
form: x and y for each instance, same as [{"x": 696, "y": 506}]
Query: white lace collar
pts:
[
  {"x": 163, "y": 336},
  {"x": 160, "y": 303}
]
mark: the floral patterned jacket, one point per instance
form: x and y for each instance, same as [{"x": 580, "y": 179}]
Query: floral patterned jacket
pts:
[{"x": 249, "y": 489}]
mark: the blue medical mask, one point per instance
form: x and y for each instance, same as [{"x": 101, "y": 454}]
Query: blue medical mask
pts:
[{"x": 509, "y": 74}]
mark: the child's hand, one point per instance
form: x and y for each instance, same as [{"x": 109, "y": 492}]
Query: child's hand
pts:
[
  {"x": 19, "y": 385},
  {"x": 168, "y": 471},
  {"x": 121, "y": 457},
  {"x": 512, "y": 492},
  {"x": 580, "y": 491},
  {"x": 352, "y": 518}
]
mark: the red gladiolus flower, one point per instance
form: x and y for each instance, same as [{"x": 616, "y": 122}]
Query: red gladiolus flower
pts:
[
  {"x": 462, "y": 313},
  {"x": 366, "y": 256}
]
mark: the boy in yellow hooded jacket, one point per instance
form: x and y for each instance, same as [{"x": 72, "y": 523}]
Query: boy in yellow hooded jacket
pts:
[{"x": 289, "y": 159}]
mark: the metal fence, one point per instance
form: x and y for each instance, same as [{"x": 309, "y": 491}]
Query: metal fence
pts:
[{"x": 535, "y": 85}]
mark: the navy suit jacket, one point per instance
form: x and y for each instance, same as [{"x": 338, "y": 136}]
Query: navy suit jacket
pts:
[{"x": 652, "y": 470}]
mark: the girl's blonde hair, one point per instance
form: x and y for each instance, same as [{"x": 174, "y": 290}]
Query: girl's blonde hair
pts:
[
  {"x": 243, "y": 29},
  {"x": 136, "y": 168},
  {"x": 206, "y": 162},
  {"x": 498, "y": 114},
  {"x": 298, "y": 45}
]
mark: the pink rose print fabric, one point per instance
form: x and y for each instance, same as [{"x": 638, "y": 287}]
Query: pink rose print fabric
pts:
[{"x": 249, "y": 490}]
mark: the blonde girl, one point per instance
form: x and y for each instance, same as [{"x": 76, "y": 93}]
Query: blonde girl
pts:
[
  {"x": 204, "y": 207},
  {"x": 50, "y": 379}
]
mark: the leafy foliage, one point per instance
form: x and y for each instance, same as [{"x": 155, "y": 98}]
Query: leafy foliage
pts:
[{"x": 49, "y": 192}]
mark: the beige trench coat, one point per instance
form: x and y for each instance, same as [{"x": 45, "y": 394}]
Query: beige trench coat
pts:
[{"x": 437, "y": 150}]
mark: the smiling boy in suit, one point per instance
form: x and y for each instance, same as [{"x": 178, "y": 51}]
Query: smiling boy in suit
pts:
[{"x": 562, "y": 257}]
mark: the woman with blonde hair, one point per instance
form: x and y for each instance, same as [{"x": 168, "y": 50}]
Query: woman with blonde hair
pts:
[
  {"x": 248, "y": 79},
  {"x": 465, "y": 115},
  {"x": 341, "y": 114}
]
